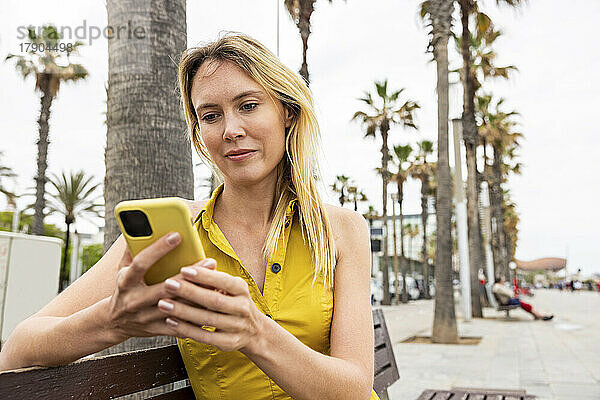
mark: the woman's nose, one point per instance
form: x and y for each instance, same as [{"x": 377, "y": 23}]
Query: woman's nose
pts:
[{"x": 233, "y": 129}]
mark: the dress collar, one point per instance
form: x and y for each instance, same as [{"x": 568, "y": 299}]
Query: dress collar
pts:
[{"x": 206, "y": 213}]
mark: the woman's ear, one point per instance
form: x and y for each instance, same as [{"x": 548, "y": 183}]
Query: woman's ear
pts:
[{"x": 289, "y": 116}]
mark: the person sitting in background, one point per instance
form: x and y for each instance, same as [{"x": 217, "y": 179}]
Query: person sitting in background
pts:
[{"x": 505, "y": 297}]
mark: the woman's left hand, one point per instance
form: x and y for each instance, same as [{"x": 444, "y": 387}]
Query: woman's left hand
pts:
[{"x": 212, "y": 298}]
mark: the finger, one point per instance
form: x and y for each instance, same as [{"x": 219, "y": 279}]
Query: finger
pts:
[
  {"x": 212, "y": 299},
  {"x": 234, "y": 285},
  {"x": 148, "y": 296},
  {"x": 207, "y": 263},
  {"x": 224, "y": 341},
  {"x": 150, "y": 255},
  {"x": 199, "y": 316}
]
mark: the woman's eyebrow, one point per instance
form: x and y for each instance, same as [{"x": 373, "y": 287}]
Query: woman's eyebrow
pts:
[{"x": 236, "y": 98}]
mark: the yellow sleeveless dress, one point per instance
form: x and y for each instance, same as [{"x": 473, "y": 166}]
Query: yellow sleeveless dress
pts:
[{"x": 288, "y": 297}]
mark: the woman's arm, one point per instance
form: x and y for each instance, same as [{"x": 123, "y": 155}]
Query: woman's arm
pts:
[
  {"x": 348, "y": 373},
  {"x": 72, "y": 325},
  {"x": 105, "y": 306},
  {"x": 300, "y": 371}
]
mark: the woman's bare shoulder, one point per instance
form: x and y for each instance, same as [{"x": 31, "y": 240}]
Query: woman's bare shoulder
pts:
[
  {"x": 346, "y": 224},
  {"x": 341, "y": 216}
]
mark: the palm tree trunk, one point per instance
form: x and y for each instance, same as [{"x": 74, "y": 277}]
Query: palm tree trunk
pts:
[
  {"x": 42, "y": 158},
  {"x": 385, "y": 178},
  {"x": 493, "y": 239},
  {"x": 471, "y": 140},
  {"x": 444, "y": 321},
  {"x": 306, "y": 9},
  {"x": 473, "y": 221},
  {"x": 147, "y": 152},
  {"x": 497, "y": 213},
  {"x": 424, "y": 212},
  {"x": 342, "y": 198},
  {"x": 396, "y": 293},
  {"x": 63, "y": 268},
  {"x": 403, "y": 264}
]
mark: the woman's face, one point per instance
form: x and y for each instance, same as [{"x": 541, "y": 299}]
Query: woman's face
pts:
[{"x": 235, "y": 113}]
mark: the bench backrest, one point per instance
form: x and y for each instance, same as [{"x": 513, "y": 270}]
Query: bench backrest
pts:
[{"x": 116, "y": 375}]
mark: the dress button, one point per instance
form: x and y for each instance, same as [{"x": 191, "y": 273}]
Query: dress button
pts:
[
  {"x": 275, "y": 268},
  {"x": 287, "y": 223},
  {"x": 269, "y": 315}
]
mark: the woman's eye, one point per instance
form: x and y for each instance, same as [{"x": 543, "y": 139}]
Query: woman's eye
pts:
[
  {"x": 209, "y": 117},
  {"x": 249, "y": 106}
]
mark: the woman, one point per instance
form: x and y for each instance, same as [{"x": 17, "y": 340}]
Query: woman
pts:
[{"x": 256, "y": 319}]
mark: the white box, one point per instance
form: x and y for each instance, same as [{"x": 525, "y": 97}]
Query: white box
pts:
[{"x": 29, "y": 274}]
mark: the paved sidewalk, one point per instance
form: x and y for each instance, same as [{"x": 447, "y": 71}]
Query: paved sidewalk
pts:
[{"x": 557, "y": 360}]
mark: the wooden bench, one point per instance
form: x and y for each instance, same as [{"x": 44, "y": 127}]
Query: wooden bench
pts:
[
  {"x": 107, "y": 377},
  {"x": 495, "y": 302},
  {"x": 503, "y": 307},
  {"x": 506, "y": 308},
  {"x": 475, "y": 394}
]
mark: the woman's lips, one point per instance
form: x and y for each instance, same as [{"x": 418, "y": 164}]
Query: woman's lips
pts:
[{"x": 241, "y": 157}]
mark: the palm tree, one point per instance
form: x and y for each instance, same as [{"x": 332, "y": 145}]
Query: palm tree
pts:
[
  {"x": 49, "y": 71},
  {"x": 511, "y": 222},
  {"x": 370, "y": 215},
  {"x": 439, "y": 17},
  {"x": 11, "y": 198},
  {"x": 6, "y": 172},
  {"x": 383, "y": 113},
  {"x": 74, "y": 197},
  {"x": 341, "y": 186},
  {"x": 401, "y": 154},
  {"x": 300, "y": 11},
  {"x": 496, "y": 129},
  {"x": 420, "y": 169},
  {"x": 147, "y": 152},
  {"x": 355, "y": 195},
  {"x": 484, "y": 28}
]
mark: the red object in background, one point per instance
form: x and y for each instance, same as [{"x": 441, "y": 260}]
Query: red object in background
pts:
[
  {"x": 516, "y": 286},
  {"x": 598, "y": 286}
]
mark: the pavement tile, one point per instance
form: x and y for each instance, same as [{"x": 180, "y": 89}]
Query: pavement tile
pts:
[{"x": 554, "y": 360}]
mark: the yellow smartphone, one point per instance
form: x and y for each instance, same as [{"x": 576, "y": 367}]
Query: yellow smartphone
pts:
[{"x": 142, "y": 222}]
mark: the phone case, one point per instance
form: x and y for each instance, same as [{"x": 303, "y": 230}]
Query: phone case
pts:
[{"x": 168, "y": 214}]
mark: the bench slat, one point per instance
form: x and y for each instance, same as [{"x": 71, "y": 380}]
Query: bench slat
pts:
[
  {"x": 382, "y": 359},
  {"x": 379, "y": 336},
  {"x": 98, "y": 378},
  {"x": 426, "y": 395},
  {"x": 386, "y": 370},
  {"x": 185, "y": 393},
  {"x": 478, "y": 397},
  {"x": 474, "y": 394}
]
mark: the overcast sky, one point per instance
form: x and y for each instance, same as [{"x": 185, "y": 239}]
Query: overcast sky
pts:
[{"x": 353, "y": 44}]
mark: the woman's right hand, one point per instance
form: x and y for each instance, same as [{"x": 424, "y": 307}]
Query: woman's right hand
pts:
[{"x": 133, "y": 307}]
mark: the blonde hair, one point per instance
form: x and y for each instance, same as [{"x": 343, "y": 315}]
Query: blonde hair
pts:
[{"x": 299, "y": 166}]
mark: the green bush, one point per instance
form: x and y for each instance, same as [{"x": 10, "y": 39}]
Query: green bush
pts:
[{"x": 90, "y": 255}]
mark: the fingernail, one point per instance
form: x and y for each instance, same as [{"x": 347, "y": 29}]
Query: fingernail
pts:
[
  {"x": 189, "y": 271},
  {"x": 171, "y": 322},
  {"x": 165, "y": 305},
  {"x": 172, "y": 284},
  {"x": 207, "y": 262},
  {"x": 173, "y": 238}
]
